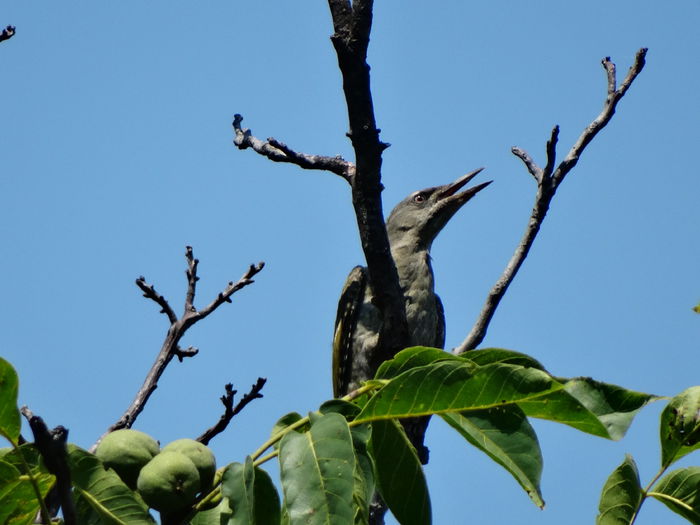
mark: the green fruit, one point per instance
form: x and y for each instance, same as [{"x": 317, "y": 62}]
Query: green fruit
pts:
[
  {"x": 127, "y": 451},
  {"x": 200, "y": 455},
  {"x": 169, "y": 482}
]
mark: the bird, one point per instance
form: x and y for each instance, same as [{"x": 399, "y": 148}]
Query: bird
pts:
[{"x": 411, "y": 227}]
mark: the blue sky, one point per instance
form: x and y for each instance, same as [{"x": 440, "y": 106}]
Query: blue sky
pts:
[{"x": 116, "y": 153}]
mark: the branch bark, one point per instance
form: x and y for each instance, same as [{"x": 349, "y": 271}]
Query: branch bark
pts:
[
  {"x": 278, "y": 151},
  {"x": 352, "y": 24},
  {"x": 548, "y": 181},
  {"x": 177, "y": 329},
  {"x": 230, "y": 411}
]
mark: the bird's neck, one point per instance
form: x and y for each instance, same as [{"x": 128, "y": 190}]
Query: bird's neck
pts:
[
  {"x": 413, "y": 266},
  {"x": 417, "y": 284}
]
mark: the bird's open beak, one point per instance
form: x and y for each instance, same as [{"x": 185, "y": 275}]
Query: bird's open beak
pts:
[{"x": 452, "y": 189}]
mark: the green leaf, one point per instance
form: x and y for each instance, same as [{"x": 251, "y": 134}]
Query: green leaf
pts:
[
  {"x": 30, "y": 457},
  {"x": 680, "y": 491},
  {"x": 363, "y": 476},
  {"x": 251, "y": 494},
  {"x": 338, "y": 406},
  {"x": 597, "y": 408},
  {"x": 237, "y": 486},
  {"x": 400, "y": 476},
  {"x": 101, "y": 496},
  {"x": 9, "y": 415},
  {"x": 455, "y": 386},
  {"x": 696, "y": 308},
  {"x": 680, "y": 426},
  {"x": 506, "y": 436},
  {"x": 411, "y": 358},
  {"x": 283, "y": 422},
  {"x": 219, "y": 515},
  {"x": 621, "y": 496},
  {"x": 486, "y": 356},
  {"x": 18, "y": 501},
  {"x": 317, "y": 470},
  {"x": 267, "y": 501}
]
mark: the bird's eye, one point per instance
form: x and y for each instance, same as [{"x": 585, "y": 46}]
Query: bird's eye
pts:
[{"x": 419, "y": 197}]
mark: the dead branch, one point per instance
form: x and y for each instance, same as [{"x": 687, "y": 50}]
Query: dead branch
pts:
[
  {"x": 277, "y": 151},
  {"x": 7, "y": 33},
  {"x": 548, "y": 181},
  {"x": 352, "y": 23},
  {"x": 51, "y": 444},
  {"x": 177, "y": 329},
  {"x": 230, "y": 411}
]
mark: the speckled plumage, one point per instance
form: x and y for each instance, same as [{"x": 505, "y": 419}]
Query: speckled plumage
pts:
[{"x": 412, "y": 226}]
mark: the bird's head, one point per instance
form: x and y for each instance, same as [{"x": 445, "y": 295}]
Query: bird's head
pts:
[{"x": 421, "y": 216}]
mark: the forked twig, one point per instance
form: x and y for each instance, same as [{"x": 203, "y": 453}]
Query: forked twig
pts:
[
  {"x": 548, "y": 181},
  {"x": 230, "y": 411},
  {"x": 177, "y": 329}
]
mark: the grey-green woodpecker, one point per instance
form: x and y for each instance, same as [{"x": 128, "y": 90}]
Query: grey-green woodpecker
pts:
[{"x": 412, "y": 227}]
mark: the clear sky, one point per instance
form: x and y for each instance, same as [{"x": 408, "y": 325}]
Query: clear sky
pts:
[{"x": 116, "y": 153}]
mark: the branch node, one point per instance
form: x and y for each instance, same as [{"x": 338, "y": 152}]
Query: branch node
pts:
[
  {"x": 181, "y": 353},
  {"x": 178, "y": 328},
  {"x": 229, "y": 410}
]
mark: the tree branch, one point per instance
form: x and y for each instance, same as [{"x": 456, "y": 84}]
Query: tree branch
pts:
[
  {"x": 548, "y": 181},
  {"x": 7, "y": 33},
  {"x": 352, "y": 24},
  {"x": 279, "y": 152},
  {"x": 177, "y": 329},
  {"x": 51, "y": 444},
  {"x": 230, "y": 411}
]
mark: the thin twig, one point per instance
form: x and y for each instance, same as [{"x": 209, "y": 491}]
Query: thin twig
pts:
[
  {"x": 530, "y": 164},
  {"x": 7, "y": 33},
  {"x": 548, "y": 181},
  {"x": 176, "y": 331},
  {"x": 192, "y": 279},
  {"x": 230, "y": 411},
  {"x": 279, "y": 152},
  {"x": 149, "y": 292},
  {"x": 51, "y": 444}
]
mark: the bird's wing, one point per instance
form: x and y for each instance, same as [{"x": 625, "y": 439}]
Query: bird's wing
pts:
[
  {"x": 440, "y": 335},
  {"x": 349, "y": 304}
]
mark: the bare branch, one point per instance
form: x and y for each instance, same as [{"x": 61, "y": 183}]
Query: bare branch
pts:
[
  {"x": 548, "y": 182},
  {"x": 279, "y": 152},
  {"x": 150, "y": 293},
  {"x": 230, "y": 411},
  {"x": 612, "y": 76},
  {"x": 176, "y": 331},
  {"x": 352, "y": 24},
  {"x": 530, "y": 164},
  {"x": 341, "y": 11},
  {"x": 225, "y": 296},
  {"x": 192, "y": 279},
  {"x": 51, "y": 444},
  {"x": 551, "y": 152},
  {"x": 7, "y": 33},
  {"x": 605, "y": 115}
]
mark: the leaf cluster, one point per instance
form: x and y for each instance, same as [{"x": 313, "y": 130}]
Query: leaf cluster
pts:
[{"x": 332, "y": 461}]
